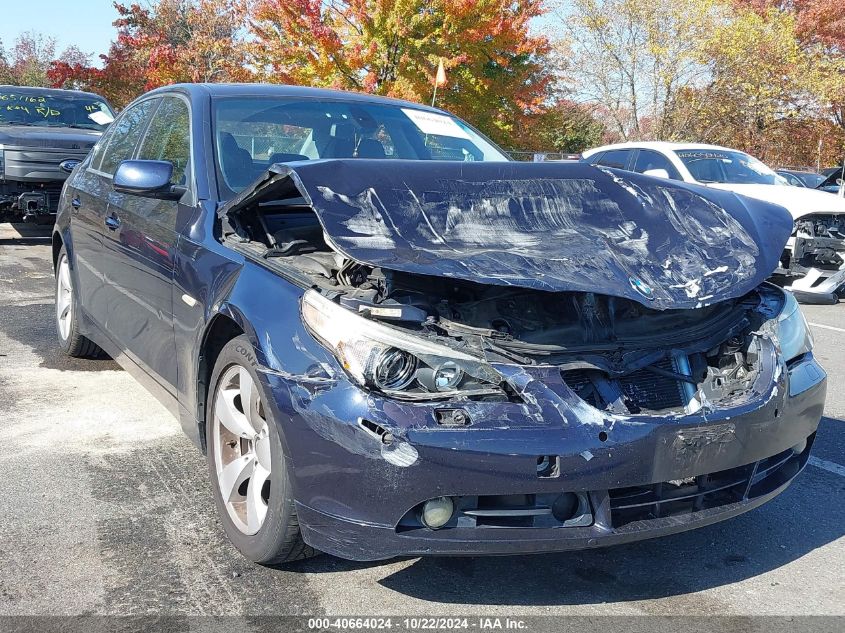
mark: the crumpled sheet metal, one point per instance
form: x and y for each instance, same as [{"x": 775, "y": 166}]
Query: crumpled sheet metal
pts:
[{"x": 547, "y": 226}]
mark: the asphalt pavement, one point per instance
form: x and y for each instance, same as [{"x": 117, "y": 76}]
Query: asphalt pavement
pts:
[{"x": 105, "y": 508}]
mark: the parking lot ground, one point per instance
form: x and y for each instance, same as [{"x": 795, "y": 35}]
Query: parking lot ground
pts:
[{"x": 105, "y": 508}]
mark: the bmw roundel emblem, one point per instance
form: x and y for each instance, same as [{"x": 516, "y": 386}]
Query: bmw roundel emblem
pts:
[
  {"x": 642, "y": 288},
  {"x": 69, "y": 164}
]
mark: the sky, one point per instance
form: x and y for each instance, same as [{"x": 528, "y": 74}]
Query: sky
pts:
[{"x": 84, "y": 23}]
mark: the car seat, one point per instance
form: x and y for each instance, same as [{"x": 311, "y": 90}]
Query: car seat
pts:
[
  {"x": 370, "y": 148},
  {"x": 335, "y": 141},
  {"x": 235, "y": 162}
]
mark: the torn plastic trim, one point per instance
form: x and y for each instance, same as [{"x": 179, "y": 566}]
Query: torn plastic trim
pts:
[{"x": 553, "y": 227}]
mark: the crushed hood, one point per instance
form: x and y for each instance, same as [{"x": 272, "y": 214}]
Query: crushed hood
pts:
[{"x": 547, "y": 226}]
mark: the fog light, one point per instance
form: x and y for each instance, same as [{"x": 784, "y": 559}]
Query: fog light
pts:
[
  {"x": 437, "y": 512},
  {"x": 565, "y": 506}
]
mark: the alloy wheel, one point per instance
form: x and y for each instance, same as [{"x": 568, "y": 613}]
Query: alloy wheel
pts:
[
  {"x": 64, "y": 298},
  {"x": 241, "y": 450}
]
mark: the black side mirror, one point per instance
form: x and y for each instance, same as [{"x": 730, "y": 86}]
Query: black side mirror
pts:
[{"x": 147, "y": 178}]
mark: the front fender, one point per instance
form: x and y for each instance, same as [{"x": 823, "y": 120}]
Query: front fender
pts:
[{"x": 223, "y": 284}]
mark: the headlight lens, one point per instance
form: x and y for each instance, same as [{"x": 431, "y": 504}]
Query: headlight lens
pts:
[
  {"x": 393, "y": 361},
  {"x": 792, "y": 329},
  {"x": 394, "y": 369}
]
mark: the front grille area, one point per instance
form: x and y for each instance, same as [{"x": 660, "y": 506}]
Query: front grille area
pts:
[
  {"x": 674, "y": 498},
  {"x": 642, "y": 390},
  {"x": 579, "y": 381},
  {"x": 673, "y": 505},
  {"x": 652, "y": 391}
]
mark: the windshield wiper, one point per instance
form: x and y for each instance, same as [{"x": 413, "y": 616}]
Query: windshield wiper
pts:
[
  {"x": 71, "y": 125},
  {"x": 24, "y": 123}
]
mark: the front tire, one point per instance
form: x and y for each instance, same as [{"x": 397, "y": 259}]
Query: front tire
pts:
[
  {"x": 67, "y": 315},
  {"x": 248, "y": 470}
]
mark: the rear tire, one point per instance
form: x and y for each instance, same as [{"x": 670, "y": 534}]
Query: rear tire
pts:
[
  {"x": 246, "y": 463},
  {"x": 67, "y": 314}
]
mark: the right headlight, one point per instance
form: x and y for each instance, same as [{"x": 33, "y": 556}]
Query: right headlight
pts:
[
  {"x": 792, "y": 329},
  {"x": 393, "y": 361}
]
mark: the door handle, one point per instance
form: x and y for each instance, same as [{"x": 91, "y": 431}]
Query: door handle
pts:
[
  {"x": 112, "y": 222},
  {"x": 75, "y": 203}
]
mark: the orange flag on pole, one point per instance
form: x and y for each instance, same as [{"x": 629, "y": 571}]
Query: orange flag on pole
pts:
[{"x": 440, "y": 79}]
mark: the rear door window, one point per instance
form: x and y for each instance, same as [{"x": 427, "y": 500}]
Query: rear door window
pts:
[
  {"x": 615, "y": 158},
  {"x": 649, "y": 159}
]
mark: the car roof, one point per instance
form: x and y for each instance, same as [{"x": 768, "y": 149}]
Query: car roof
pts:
[
  {"x": 283, "y": 90},
  {"x": 54, "y": 92},
  {"x": 664, "y": 146}
]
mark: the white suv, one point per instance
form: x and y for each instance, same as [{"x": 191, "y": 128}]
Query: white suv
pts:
[{"x": 814, "y": 259}]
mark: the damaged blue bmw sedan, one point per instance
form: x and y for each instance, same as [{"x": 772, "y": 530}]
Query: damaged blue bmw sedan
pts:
[{"x": 390, "y": 340}]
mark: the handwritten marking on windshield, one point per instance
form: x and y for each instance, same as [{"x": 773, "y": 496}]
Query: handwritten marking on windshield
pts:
[{"x": 44, "y": 111}]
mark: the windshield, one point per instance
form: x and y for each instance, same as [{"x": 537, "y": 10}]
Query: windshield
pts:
[
  {"x": 727, "y": 166},
  {"x": 253, "y": 133},
  {"x": 833, "y": 180},
  {"x": 19, "y": 107},
  {"x": 812, "y": 180}
]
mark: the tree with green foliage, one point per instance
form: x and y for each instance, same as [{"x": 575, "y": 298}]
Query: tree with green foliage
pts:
[
  {"x": 766, "y": 91},
  {"x": 633, "y": 57},
  {"x": 820, "y": 32},
  {"x": 28, "y": 61},
  {"x": 567, "y": 127}
]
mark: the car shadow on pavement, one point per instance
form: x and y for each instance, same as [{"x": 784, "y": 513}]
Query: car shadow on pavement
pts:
[
  {"x": 24, "y": 241},
  {"x": 807, "y": 516},
  {"x": 23, "y": 233},
  {"x": 33, "y": 325}
]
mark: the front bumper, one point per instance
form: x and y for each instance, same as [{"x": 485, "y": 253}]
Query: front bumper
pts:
[
  {"x": 809, "y": 280},
  {"x": 30, "y": 202},
  {"x": 641, "y": 476}
]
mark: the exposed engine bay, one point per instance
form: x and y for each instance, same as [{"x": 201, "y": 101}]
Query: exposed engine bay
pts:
[
  {"x": 814, "y": 258},
  {"x": 616, "y": 354}
]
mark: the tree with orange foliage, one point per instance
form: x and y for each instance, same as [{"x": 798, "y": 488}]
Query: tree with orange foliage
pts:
[
  {"x": 498, "y": 75},
  {"x": 166, "y": 42},
  {"x": 818, "y": 21},
  {"x": 121, "y": 78}
]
